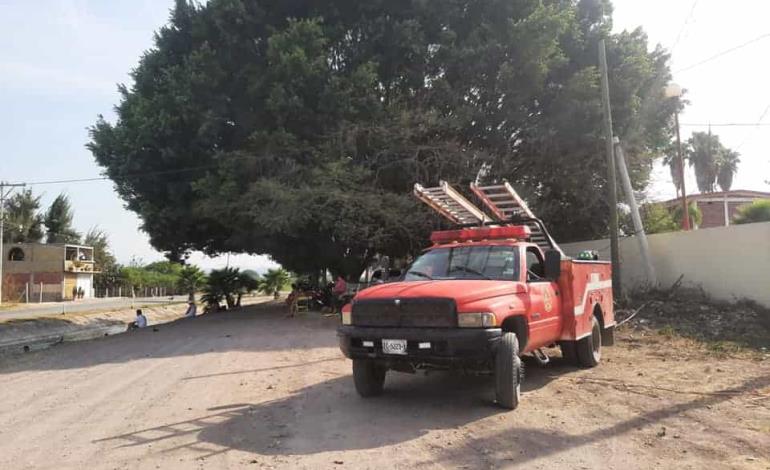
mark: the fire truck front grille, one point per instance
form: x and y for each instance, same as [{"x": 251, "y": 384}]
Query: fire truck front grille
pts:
[{"x": 431, "y": 312}]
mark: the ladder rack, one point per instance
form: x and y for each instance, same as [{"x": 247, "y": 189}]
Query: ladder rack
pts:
[
  {"x": 506, "y": 204},
  {"x": 507, "y": 207},
  {"x": 451, "y": 204}
]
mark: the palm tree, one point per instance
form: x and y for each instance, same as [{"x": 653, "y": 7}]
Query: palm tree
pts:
[
  {"x": 222, "y": 284},
  {"x": 274, "y": 280},
  {"x": 703, "y": 153},
  {"x": 23, "y": 223},
  {"x": 191, "y": 279},
  {"x": 728, "y": 166}
]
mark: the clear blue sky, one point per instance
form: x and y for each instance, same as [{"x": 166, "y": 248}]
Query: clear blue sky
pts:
[{"x": 60, "y": 62}]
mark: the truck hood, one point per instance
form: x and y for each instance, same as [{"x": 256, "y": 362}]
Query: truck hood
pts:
[{"x": 462, "y": 291}]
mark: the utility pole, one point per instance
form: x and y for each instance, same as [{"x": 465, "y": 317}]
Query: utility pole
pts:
[
  {"x": 612, "y": 196},
  {"x": 641, "y": 236},
  {"x": 3, "y": 195}
]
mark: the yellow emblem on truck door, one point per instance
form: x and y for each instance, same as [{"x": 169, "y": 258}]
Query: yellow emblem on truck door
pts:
[{"x": 548, "y": 300}]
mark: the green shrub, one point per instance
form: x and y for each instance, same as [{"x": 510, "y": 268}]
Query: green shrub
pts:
[{"x": 757, "y": 211}]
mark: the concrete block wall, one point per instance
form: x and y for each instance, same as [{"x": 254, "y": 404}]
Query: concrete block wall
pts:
[{"x": 730, "y": 263}]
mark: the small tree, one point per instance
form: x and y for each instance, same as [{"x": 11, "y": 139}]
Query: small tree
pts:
[
  {"x": 247, "y": 283},
  {"x": 696, "y": 216},
  {"x": 191, "y": 279},
  {"x": 222, "y": 285},
  {"x": 23, "y": 223},
  {"x": 757, "y": 211},
  {"x": 274, "y": 280},
  {"x": 658, "y": 219},
  {"x": 58, "y": 222}
]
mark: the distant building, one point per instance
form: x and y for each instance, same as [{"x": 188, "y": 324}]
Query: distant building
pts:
[
  {"x": 59, "y": 268},
  {"x": 719, "y": 209}
]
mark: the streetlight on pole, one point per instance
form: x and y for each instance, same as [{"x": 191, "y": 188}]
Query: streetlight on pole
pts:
[{"x": 672, "y": 90}]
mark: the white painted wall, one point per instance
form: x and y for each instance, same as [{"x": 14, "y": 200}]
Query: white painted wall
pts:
[{"x": 730, "y": 263}]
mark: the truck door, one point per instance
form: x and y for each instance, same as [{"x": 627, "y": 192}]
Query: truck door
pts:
[{"x": 545, "y": 321}]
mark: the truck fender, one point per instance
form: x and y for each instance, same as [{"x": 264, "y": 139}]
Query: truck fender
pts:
[
  {"x": 608, "y": 333},
  {"x": 517, "y": 324}
]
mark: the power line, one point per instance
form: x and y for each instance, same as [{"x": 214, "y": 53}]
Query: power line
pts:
[
  {"x": 129, "y": 175},
  {"x": 756, "y": 126},
  {"x": 725, "y": 52},
  {"x": 684, "y": 25}
]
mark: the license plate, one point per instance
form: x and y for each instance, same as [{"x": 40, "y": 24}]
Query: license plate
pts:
[{"x": 394, "y": 346}]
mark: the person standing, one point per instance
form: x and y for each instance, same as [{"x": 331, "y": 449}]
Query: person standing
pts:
[{"x": 339, "y": 291}]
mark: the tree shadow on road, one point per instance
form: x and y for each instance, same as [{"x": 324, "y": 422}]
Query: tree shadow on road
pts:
[{"x": 330, "y": 416}]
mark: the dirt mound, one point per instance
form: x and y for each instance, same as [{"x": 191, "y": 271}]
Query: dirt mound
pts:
[{"x": 691, "y": 313}]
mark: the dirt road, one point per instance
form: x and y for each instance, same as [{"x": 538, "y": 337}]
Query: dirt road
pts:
[{"x": 252, "y": 389}]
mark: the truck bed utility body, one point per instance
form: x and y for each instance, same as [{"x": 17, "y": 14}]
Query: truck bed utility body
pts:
[{"x": 481, "y": 296}]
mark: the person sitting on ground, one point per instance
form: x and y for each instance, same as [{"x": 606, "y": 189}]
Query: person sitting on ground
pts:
[
  {"x": 192, "y": 309},
  {"x": 141, "y": 320}
]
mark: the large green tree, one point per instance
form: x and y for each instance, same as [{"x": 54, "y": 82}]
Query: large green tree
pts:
[
  {"x": 23, "y": 222},
  {"x": 58, "y": 222},
  {"x": 298, "y": 128}
]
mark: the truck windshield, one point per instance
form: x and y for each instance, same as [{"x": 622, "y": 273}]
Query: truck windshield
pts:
[{"x": 466, "y": 262}]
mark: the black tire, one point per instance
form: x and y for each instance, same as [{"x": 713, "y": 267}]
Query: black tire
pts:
[
  {"x": 368, "y": 377},
  {"x": 589, "y": 349},
  {"x": 509, "y": 372},
  {"x": 569, "y": 353}
]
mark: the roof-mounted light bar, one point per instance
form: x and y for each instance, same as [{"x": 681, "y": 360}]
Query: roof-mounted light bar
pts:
[{"x": 516, "y": 232}]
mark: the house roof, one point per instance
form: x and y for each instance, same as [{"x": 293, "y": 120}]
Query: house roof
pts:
[{"x": 736, "y": 194}]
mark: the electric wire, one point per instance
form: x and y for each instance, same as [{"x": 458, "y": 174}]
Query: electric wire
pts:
[{"x": 723, "y": 53}]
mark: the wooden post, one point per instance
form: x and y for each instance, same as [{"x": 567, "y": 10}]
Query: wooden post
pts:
[{"x": 612, "y": 196}]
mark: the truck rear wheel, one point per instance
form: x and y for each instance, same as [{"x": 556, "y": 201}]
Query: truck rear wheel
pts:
[
  {"x": 368, "y": 377},
  {"x": 509, "y": 372},
  {"x": 569, "y": 352},
  {"x": 589, "y": 349}
]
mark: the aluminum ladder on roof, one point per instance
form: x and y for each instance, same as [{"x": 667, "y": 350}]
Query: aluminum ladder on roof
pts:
[
  {"x": 451, "y": 204},
  {"x": 506, "y": 205}
]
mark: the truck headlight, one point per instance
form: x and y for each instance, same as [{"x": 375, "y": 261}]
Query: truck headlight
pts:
[
  {"x": 346, "y": 318},
  {"x": 476, "y": 320}
]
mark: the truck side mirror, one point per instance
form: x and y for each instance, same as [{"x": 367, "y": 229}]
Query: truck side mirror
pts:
[{"x": 552, "y": 265}]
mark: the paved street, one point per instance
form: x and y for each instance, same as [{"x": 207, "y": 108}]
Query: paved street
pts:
[{"x": 22, "y": 311}]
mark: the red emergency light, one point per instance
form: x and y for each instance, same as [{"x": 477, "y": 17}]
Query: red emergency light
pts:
[{"x": 518, "y": 232}]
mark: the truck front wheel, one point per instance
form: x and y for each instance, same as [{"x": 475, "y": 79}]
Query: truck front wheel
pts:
[
  {"x": 509, "y": 372},
  {"x": 368, "y": 377},
  {"x": 589, "y": 349}
]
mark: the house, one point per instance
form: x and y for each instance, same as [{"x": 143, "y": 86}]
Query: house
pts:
[
  {"x": 48, "y": 272},
  {"x": 719, "y": 209}
]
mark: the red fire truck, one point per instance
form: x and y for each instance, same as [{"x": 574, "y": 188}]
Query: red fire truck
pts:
[{"x": 483, "y": 295}]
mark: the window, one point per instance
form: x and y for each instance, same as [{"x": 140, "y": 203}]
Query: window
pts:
[
  {"x": 466, "y": 262},
  {"x": 535, "y": 266},
  {"x": 16, "y": 254}
]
